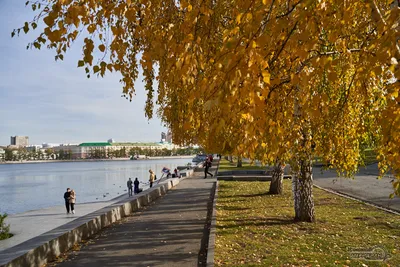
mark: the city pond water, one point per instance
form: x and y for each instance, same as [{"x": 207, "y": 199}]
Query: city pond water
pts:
[{"x": 32, "y": 186}]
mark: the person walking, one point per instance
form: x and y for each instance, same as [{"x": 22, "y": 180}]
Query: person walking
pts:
[
  {"x": 67, "y": 195},
  {"x": 207, "y": 166},
  {"x": 151, "y": 178},
  {"x": 129, "y": 184},
  {"x": 136, "y": 184},
  {"x": 72, "y": 200}
]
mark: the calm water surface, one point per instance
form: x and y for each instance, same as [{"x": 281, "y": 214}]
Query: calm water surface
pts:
[{"x": 34, "y": 186}]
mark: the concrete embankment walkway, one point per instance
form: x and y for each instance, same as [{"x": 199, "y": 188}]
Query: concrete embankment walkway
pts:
[
  {"x": 170, "y": 232},
  {"x": 27, "y": 225}
]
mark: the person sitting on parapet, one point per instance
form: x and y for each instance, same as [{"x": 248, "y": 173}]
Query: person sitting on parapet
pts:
[{"x": 129, "y": 184}]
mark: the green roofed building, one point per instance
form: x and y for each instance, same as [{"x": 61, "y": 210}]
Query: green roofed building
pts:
[
  {"x": 136, "y": 144},
  {"x": 95, "y": 144}
]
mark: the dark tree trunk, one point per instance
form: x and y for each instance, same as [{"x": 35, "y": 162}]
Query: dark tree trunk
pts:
[
  {"x": 276, "y": 186},
  {"x": 302, "y": 192},
  {"x": 239, "y": 162}
]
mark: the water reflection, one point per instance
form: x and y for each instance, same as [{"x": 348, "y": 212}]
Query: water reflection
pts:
[{"x": 26, "y": 187}]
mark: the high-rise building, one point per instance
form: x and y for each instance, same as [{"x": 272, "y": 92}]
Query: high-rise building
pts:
[
  {"x": 19, "y": 141},
  {"x": 163, "y": 137},
  {"x": 169, "y": 136}
]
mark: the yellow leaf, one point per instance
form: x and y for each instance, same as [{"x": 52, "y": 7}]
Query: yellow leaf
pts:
[
  {"x": 190, "y": 7},
  {"x": 102, "y": 48},
  {"x": 249, "y": 16},
  {"x": 266, "y": 76},
  {"x": 239, "y": 18}
]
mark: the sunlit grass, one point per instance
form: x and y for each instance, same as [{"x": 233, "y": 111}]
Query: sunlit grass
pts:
[
  {"x": 225, "y": 165},
  {"x": 256, "y": 229}
]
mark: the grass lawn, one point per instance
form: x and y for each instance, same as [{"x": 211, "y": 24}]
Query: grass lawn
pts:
[
  {"x": 256, "y": 229},
  {"x": 225, "y": 165}
]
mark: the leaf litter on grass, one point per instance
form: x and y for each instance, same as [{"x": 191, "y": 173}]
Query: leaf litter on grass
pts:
[{"x": 256, "y": 229}]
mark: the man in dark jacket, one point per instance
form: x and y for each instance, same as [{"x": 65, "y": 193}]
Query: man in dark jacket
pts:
[
  {"x": 66, "y": 198},
  {"x": 207, "y": 166}
]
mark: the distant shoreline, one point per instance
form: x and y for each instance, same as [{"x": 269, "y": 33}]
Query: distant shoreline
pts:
[{"x": 91, "y": 160}]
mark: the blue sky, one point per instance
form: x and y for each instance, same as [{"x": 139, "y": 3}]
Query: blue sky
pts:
[{"x": 54, "y": 102}]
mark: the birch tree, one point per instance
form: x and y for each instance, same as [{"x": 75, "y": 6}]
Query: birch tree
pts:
[{"x": 275, "y": 79}]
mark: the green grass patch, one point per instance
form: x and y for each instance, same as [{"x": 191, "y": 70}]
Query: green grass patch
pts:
[
  {"x": 4, "y": 228},
  {"x": 256, "y": 229},
  {"x": 225, "y": 165}
]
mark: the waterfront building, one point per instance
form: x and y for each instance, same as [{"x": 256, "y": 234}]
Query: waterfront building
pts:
[
  {"x": 163, "y": 137},
  {"x": 19, "y": 141},
  {"x": 74, "y": 150},
  {"x": 2, "y": 154},
  {"x": 49, "y": 145},
  {"x": 33, "y": 147},
  {"x": 169, "y": 136},
  {"x": 92, "y": 150}
]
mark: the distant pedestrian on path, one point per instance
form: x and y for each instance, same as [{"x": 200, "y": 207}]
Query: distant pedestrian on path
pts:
[
  {"x": 136, "y": 184},
  {"x": 130, "y": 185},
  {"x": 72, "y": 199},
  {"x": 67, "y": 195},
  {"x": 207, "y": 166},
  {"x": 151, "y": 178}
]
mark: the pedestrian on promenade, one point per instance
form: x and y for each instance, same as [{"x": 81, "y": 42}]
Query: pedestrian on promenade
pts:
[
  {"x": 130, "y": 184},
  {"x": 151, "y": 178},
  {"x": 176, "y": 172},
  {"x": 72, "y": 199},
  {"x": 207, "y": 166},
  {"x": 66, "y": 198},
  {"x": 136, "y": 184}
]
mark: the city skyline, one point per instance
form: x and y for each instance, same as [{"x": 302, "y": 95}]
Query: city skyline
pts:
[
  {"x": 54, "y": 102},
  {"x": 82, "y": 141}
]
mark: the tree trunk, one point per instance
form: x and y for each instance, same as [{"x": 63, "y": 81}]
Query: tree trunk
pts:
[
  {"x": 276, "y": 186},
  {"x": 302, "y": 184},
  {"x": 239, "y": 162}
]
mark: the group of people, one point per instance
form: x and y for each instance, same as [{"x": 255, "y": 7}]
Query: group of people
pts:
[
  {"x": 70, "y": 198},
  {"x": 133, "y": 186}
]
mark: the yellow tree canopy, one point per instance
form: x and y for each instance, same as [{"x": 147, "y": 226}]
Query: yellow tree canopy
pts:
[{"x": 265, "y": 78}]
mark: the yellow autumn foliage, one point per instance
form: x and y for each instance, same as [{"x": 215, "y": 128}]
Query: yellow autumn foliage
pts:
[{"x": 263, "y": 79}]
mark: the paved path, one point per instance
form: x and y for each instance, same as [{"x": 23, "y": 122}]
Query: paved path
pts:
[
  {"x": 365, "y": 186},
  {"x": 170, "y": 232}
]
